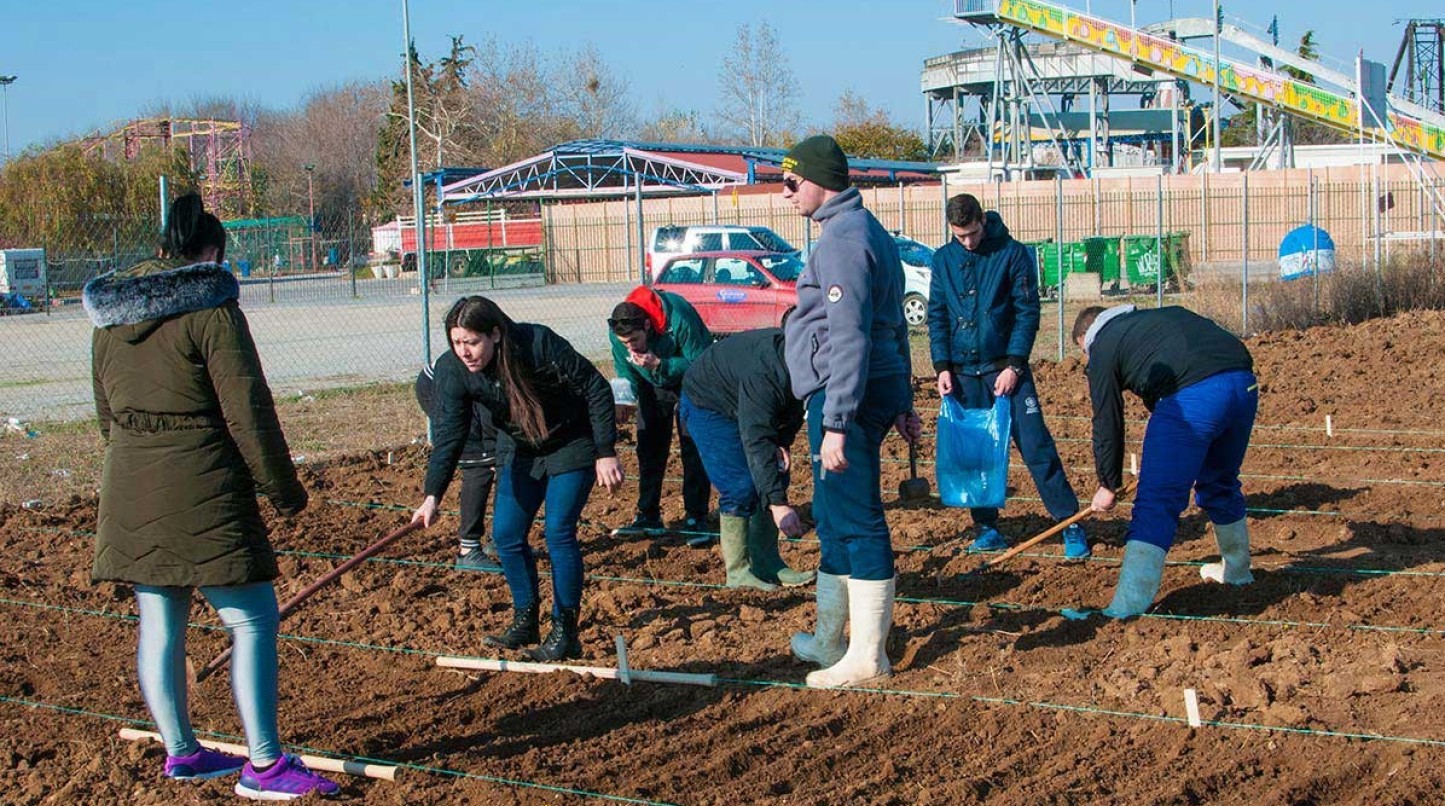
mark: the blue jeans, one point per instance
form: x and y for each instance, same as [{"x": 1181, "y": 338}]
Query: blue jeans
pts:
[
  {"x": 519, "y": 496},
  {"x": 1032, "y": 437},
  {"x": 1196, "y": 438},
  {"x": 250, "y": 615},
  {"x": 721, "y": 447},
  {"x": 848, "y": 506}
]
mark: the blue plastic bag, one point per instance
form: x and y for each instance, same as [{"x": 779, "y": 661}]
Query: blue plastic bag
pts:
[{"x": 972, "y": 464}]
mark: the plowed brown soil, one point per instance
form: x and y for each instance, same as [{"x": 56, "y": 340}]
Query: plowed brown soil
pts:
[{"x": 1324, "y": 682}]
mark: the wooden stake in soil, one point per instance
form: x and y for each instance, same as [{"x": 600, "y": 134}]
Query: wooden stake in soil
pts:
[
  {"x": 490, "y": 665},
  {"x": 1191, "y": 707},
  {"x": 312, "y": 762}
]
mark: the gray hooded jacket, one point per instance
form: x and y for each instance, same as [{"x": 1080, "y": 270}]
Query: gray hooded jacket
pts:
[{"x": 848, "y": 327}]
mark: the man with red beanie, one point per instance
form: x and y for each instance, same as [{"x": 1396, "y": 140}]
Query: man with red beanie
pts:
[{"x": 655, "y": 336}]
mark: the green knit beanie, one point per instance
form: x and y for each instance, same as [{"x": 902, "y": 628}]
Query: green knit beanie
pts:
[{"x": 819, "y": 160}]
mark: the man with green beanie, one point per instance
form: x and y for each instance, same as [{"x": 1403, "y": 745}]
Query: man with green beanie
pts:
[
  {"x": 848, "y": 358},
  {"x": 737, "y": 404}
]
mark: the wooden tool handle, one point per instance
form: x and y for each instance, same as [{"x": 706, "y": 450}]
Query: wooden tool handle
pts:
[
  {"x": 1048, "y": 533},
  {"x": 321, "y": 582}
]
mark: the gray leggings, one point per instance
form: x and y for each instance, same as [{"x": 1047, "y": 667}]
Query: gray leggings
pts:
[{"x": 250, "y": 615}]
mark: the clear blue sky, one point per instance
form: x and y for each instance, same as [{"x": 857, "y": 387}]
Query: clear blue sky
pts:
[{"x": 83, "y": 64}]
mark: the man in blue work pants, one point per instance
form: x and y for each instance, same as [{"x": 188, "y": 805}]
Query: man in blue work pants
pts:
[{"x": 1197, "y": 381}]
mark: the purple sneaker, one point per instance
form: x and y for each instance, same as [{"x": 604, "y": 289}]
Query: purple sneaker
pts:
[
  {"x": 287, "y": 779},
  {"x": 203, "y": 763}
]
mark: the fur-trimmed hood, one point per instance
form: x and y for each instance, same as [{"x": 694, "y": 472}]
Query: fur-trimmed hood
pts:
[{"x": 156, "y": 290}]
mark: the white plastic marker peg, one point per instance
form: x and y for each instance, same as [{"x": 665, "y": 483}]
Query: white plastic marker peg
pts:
[
  {"x": 624, "y": 672},
  {"x": 1134, "y": 464},
  {"x": 1191, "y": 707},
  {"x": 1329, "y": 426}
]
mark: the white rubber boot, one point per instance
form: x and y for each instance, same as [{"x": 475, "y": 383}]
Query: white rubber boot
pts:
[
  {"x": 824, "y": 646},
  {"x": 870, "y": 617},
  {"x": 1138, "y": 580},
  {"x": 1233, "y": 539}
]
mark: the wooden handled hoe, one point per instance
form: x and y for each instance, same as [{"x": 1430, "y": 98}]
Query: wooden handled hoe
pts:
[
  {"x": 325, "y": 579},
  {"x": 1082, "y": 514}
]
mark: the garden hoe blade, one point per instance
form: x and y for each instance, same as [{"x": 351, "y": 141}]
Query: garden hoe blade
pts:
[{"x": 913, "y": 488}]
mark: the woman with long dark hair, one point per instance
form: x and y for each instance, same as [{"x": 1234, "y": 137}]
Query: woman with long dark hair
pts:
[
  {"x": 554, "y": 413},
  {"x": 191, "y": 437}
]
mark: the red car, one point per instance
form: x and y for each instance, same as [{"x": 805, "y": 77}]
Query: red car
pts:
[{"x": 735, "y": 291}]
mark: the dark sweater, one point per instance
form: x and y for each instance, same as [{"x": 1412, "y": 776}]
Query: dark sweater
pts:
[
  {"x": 1152, "y": 353},
  {"x": 576, "y": 406},
  {"x": 745, "y": 378}
]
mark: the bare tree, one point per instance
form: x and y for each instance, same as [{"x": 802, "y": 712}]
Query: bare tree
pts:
[
  {"x": 335, "y": 131},
  {"x": 675, "y": 126},
  {"x": 758, "y": 88},
  {"x": 593, "y": 98}
]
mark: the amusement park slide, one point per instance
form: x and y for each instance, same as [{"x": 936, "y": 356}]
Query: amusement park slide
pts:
[{"x": 1162, "y": 55}]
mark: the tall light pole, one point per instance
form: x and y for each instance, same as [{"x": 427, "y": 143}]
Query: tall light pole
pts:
[
  {"x": 1218, "y": 108},
  {"x": 418, "y": 203},
  {"x": 5, "y": 82},
  {"x": 311, "y": 210}
]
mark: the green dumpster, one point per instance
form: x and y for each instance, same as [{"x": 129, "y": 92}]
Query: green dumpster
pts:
[
  {"x": 1051, "y": 256},
  {"x": 1101, "y": 257},
  {"x": 1141, "y": 260}
]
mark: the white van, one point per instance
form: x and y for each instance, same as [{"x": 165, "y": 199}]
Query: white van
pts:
[{"x": 670, "y": 241}]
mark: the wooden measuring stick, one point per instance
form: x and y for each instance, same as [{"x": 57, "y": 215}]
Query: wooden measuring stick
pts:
[
  {"x": 381, "y": 771},
  {"x": 489, "y": 665}
]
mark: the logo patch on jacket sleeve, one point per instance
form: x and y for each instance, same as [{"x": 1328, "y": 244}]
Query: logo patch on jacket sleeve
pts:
[{"x": 835, "y": 293}]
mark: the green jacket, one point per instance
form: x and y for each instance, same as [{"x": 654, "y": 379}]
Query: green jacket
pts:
[
  {"x": 679, "y": 336},
  {"x": 190, "y": 429}
]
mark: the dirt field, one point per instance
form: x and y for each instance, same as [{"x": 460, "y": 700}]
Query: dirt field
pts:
[{"x": 1322, "y": 683}]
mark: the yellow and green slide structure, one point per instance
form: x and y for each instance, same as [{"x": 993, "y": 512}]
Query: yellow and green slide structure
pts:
[{"x": 1166, "y": 56}]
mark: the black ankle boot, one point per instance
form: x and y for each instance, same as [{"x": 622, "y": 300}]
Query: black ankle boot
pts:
[
  {"x": 521, "y": 632},
  {"x": 562, "y": 641}
]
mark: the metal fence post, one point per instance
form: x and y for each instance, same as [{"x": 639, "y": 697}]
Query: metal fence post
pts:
[
  {"x": 1159, "y": 241},
  {"x": 1059, "y": 250},
  {"x": 1244, "y": 294},
  {"x": 641, "y": 237},
  {"x": 351, "y": 251},
  {"x": 1314, "y": 230},
  {"x": 1204, "y": 215},
  {"x": 943, "y": 208}
]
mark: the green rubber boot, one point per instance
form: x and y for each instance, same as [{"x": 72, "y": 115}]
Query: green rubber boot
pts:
[
  {"x": 767, "y": 564},
  {"x": 733, "y": 541}
]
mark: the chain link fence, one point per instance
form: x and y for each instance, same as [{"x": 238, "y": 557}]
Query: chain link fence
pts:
[{"x": 339, "y": 303}]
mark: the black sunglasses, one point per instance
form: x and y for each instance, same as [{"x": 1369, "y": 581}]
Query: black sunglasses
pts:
[
  {"x": 791, "y": 183},
  {"x": 626, "y": 325}
]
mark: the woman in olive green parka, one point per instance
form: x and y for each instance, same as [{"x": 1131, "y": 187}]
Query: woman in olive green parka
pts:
[{"x": 191, "y": 437}]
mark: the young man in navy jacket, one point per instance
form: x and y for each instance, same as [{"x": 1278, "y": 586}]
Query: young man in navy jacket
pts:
[{"x": 983, "y": 314}]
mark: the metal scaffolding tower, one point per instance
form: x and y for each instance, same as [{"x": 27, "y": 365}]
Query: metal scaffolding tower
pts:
[
  {"x": 1421, "y": 53},
  {"x": 219, "y": 150}
]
